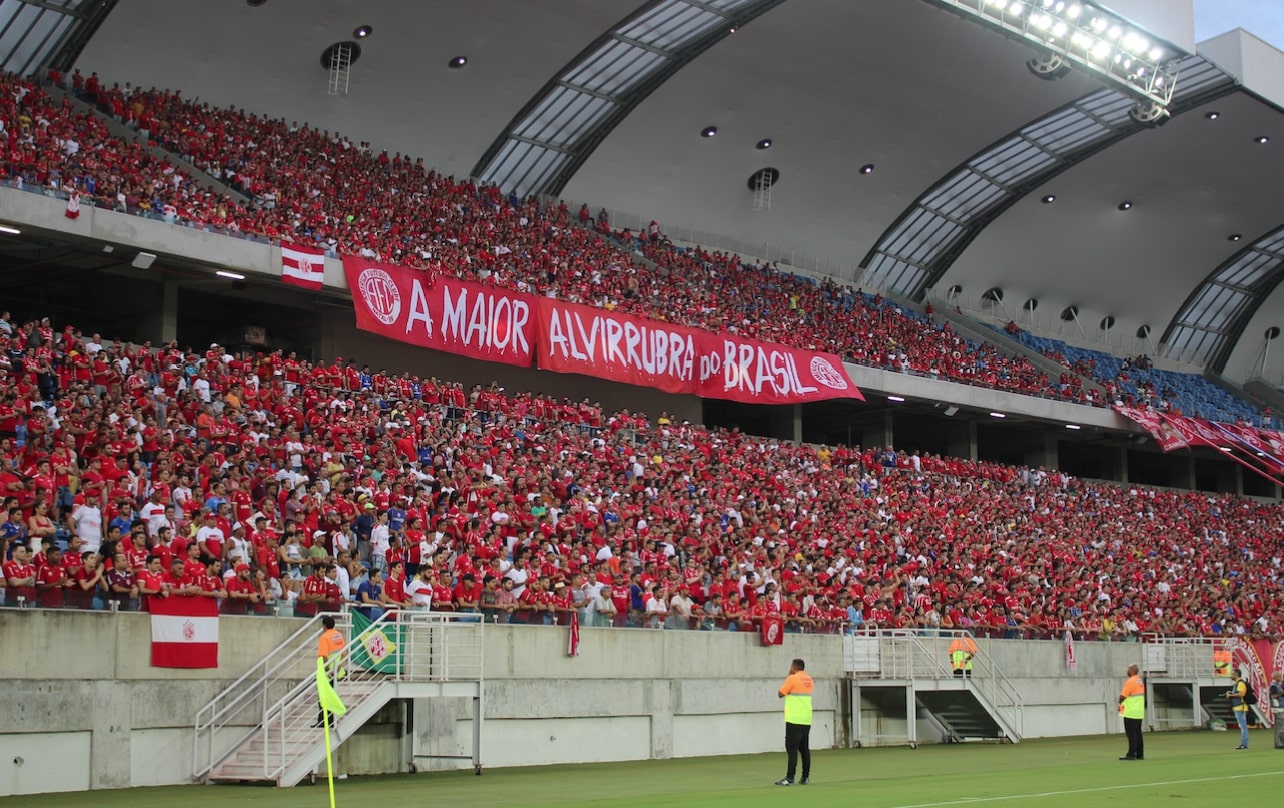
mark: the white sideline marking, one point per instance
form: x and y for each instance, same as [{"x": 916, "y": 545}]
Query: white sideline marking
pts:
[{"x": 977, "y": 800}]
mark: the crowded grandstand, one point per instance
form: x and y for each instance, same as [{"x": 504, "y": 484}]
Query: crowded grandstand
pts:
[{"x": 281, "y": 482}]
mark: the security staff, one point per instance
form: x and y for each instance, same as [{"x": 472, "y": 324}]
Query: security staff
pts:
[
  {"x": 329, "y": 644},
  {"x": 1221, "y": 662},
  {"x": 1132, "y": 706},
  {"x": 797, "y": 691},
  {"x": 962, "y": 649}
]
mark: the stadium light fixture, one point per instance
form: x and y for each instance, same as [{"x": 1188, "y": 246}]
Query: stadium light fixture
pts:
[
  {"x": 1262, "y": 139},
  {"x": 236, "y": 276},
  {"x": 868, "y": 168},
  {"x": 1091, "y": 38},
  {"x": 1049, "y": 199},
  {"x": 998, "y": 415},
  {"x": 10, "y": 231},
  {"x": 1212, "y": 116},
  {"x": 709, "y": 131},
  {"x": 1235, "y": 237},
  {"x": 897, "y": 399},
  {"x": 1125, "y": 205},
  {"x": 362, "y": 31},
  {"x": 457, "y": 62},
  {"x": 1075, "y": 427},
  {"x": 765, "y": 143}
]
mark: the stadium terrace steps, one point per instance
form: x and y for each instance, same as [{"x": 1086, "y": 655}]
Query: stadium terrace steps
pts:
[
  {"x": 128, "y": 135},
  {"x": 984, "y": 332}
]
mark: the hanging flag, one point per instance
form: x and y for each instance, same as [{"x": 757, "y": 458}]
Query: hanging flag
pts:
[
  {"x": 772, "y": 629},
  {"x": 73, "y": 206},
  {"x": 573, "y": 643},
  {"x": 302, "y": 266},
  {"x": 329, "y": 699},
  {"x": 1071, "y": 662},
  {"x": 377, "y": 650},
  {"x": 184, "y": 632}
]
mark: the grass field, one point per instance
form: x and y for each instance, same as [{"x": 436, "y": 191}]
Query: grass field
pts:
[{"x": 1181, "y": 768}]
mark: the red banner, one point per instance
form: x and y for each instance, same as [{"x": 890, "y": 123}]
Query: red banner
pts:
[
  {"x": 1257, "y": 660},
  {"x": 445, "y": 314},
  {"x": 772, "y": 630},
  {"x": 620, "y": 347}
]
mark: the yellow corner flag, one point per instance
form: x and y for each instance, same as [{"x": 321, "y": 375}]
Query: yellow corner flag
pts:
[
  {"x": 331, "y": 704},
  {"x": 330, "y": 700}
]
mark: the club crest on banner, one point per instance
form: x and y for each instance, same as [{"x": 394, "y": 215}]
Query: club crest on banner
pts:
[
  {"x": 826, "y": 374},
  {"x": 380, "y": 293}
]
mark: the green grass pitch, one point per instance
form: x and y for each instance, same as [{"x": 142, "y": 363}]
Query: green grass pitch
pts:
[{"x": 1181, "y": 768}]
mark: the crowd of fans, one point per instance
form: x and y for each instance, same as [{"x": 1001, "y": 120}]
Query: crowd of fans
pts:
[
  {"x": 132, "y": 472},
  {"x": 318, "y": 187}
]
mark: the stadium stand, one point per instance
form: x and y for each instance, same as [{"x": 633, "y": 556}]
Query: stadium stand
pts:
[
  {"x": 319, "y": 188},
  {"x": 1135, "y": 381},
  {"x": 247, "y": 476}
]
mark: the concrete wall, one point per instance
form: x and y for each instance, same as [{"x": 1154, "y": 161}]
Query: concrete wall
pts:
[{"x": 86, "y": 710}]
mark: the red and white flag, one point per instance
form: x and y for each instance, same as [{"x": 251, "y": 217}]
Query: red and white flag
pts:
[
  {"x": 302, "y": 266},
  {"x": 184, "y": 632},
  {"x": 1072, "y": 663},
  {"x": 73, "y": 206},
  {"x": 573, "y": 643}
]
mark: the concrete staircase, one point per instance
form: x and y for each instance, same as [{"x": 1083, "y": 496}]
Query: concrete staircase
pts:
[
  {"x": 243, "y": 736},
  {"x": 912, "y": 679}
]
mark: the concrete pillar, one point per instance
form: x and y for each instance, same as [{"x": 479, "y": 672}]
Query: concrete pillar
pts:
[
  {"x": 1041, "y": 450},
  {"x": 878, "y": 434},
  {"x": 798, "y": 429},
  {"x": 962, "y": 441},
  {"x": 660, "y": 696},
  {"x": 1123, "y": 465},
  {"x": 111, "y": 725},
  {"x": 169, "y": 311}
]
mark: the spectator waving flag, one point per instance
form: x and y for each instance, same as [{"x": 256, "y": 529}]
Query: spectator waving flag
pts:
[
  {"x": 302, "y": 266},
  {"x": 184, "y": 632}
]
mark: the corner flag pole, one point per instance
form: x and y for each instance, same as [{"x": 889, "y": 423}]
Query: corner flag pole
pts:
[
  {"x": 331, "y": 704},
  {"x": 329, "y": 759}
]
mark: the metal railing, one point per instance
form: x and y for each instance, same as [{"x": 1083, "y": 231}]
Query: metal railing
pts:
[
  {"x": 232, "y": 715},
  {"x": 1177, "y": 657},
  {"x": 397, "y": 647},
  {"x": 911, "y": 655}
]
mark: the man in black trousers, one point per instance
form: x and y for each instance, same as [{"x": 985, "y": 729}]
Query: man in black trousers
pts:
[{"x": 797, "y": 691}]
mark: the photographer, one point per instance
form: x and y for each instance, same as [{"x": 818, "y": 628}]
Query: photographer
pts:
[{"x": 1237, "y": 695}]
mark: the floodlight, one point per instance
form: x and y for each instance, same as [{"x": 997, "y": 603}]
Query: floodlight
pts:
[
  {"x": 236, "y": 276},
  {"x": 1074, "y": 11},
  {"x": 1114, "y": 33},
  {"x": 1060, "y": 29},
  {"x": 1101, "y": 50}
]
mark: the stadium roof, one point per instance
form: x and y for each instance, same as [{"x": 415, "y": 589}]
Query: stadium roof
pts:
[{"x": 606, "y": 101}]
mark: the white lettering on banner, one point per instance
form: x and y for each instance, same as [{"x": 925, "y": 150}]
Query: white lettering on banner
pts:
[
  {"x": 490, "y": 323},
  {"x": 752, "y": 368},
  {"x": 419, "y": 308},
  {"x": 625, "y": 344}
]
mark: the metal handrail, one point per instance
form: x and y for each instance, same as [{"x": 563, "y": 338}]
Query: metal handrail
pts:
[
  {"x": 909, "y": 654},
  {"x": 428, "y": 647},
  {"x": 253, "y": 685}
]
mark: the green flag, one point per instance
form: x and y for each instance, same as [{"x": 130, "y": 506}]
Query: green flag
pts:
[
  {"x": 376, "y": 650},
  {"x": 330, "y": 700}
]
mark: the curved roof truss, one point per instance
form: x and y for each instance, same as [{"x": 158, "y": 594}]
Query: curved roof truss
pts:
[
  {"x": 1214, "y": 316},
  {"x": 922, "y": 244},
  {"x": 551, "y": 137},
  {"x": 35, "y": 34}
]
